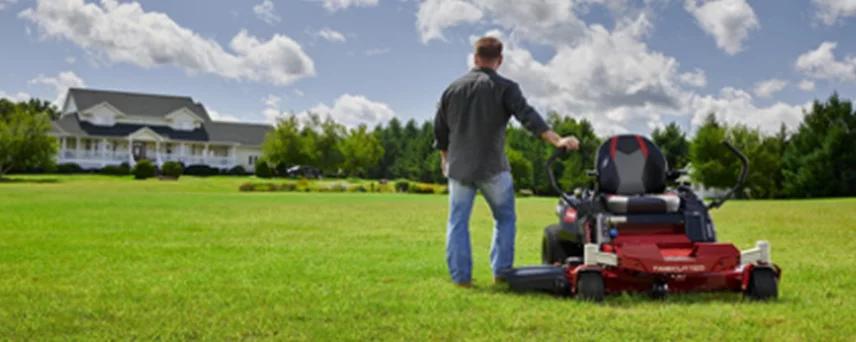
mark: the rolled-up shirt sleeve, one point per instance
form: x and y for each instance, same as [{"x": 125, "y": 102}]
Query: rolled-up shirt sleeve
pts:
[
  {"x": 441, "y": 128},
  {"x": 516, "y": 103}
]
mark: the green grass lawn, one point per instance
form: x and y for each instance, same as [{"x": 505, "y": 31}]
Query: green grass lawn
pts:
[{"x": 101, "y": 258}]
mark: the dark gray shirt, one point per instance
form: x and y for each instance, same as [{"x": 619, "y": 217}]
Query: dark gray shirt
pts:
[{"x": 471, "y": 121}]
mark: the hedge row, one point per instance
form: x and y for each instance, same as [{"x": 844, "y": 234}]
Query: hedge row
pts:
[
  {"x": 170, "y": 168},
  {"x": 378, "y": 187}
]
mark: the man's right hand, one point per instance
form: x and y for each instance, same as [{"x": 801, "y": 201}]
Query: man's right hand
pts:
[{"x": 568, "y": 143}]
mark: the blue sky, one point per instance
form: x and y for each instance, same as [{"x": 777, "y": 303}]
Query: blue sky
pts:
[{"x": 393, "y": 61}]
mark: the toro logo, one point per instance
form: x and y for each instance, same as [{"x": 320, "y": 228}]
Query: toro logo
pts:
[
  {"x": 570, "y": 215},
  {"x": 678, "y": 268}
]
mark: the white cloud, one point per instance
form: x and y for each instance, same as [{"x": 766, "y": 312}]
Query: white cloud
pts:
[
  {"x": 695, "y": 78},
  {"x": 70, "y": 60},
  {"x": 807, "y": 85},
  {"x": 124, "y": 32},
  {"x": 728, "y": 21},
  {"x": 265, "y": 11},
  {"x": 736, "y": 106},
  {"x": 330, "y": 35},
  {"x": 821, "y": 63},
  {"x": 217, "y": 116},
  {"x": 4, "y": 3},
  {"x": 335, "y": 5},
  {"x": 831, "y": 11},
  {"x": 607, "y": 76},
  {"x": 353, "y": 110},
  {"x": 435, "y": 15},
  {"x": 298, "y": 92},
  {"x": 60, "y": 84},
  {"x": 17, "y": 97},
  {"x": 769, "y": 87}
]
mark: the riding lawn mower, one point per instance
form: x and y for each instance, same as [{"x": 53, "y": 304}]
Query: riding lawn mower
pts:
[{"x": 632, "y": 232}]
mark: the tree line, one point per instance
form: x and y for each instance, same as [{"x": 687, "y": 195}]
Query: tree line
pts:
[{"x": 815, "y": 159}]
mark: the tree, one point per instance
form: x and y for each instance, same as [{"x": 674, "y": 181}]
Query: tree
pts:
[
  {"x": 361, "y": 149},
  {"x": 329, "y": 145},
  {"x": 521, "y": 169},
  {"x": 287, "y": 145},
  {"x": 24, "y": 140},
  {"x": 713, "y": 164},
  {"x": 673, "y": 141},
  {"x": 819, "y": 159}
]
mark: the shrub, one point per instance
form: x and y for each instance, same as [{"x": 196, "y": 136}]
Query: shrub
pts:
[
  {"x": 402, "y": 186},
  {"x": 200, "y": 170},
  {"x": 303, "y": 184},
  {"x": 247, "y": 186},
  {"x": 115, "y": 170},
  {"x": 238, "y": 171},
  {"x": 418, "y": 188},
  {"x": 67, "y": 168},
  {"x": 356, "y": 188},
  {"x": 288, "y": 187},
  {"x": 262, "y": 169},
  {"x": 144, "y": 169},
  {"x": 171, "y": 169}
]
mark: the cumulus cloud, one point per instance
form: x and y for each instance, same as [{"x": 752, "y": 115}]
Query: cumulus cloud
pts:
[
  {"x": 821, "y": 63},
  {"x": 831, "y": 11},
  {"x": 4, "y": 3},
  {"x": 606, "y": 75},
  {"x": 17, "y": 97},
  {"x": 767, "y": 88},
  {"x": 353, "y": 110},
  {"x": 60, "y": 84},
  {"x": 266, "y": 12},
  {"x": 336, "y": 5},
  {"x": 807, "y": 85},
  {"x": 330, "y": 35},
  {"x": 217, "y": 116},
  {"x": 728, "y": 21},
  {"x": 125, "y": 32}
]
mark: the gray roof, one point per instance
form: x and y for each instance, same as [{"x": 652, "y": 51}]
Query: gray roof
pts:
[
  {"x": 136, "y": 104},
  {"x": 156, "y": 106}
]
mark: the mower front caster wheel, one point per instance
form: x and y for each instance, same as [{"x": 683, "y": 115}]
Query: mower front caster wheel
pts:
[
  {"x": 590, "y": 286},
  {"x": 763, "y": 284}
]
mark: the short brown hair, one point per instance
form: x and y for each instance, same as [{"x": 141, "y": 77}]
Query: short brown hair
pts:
[{"x": 489, "y": 48}]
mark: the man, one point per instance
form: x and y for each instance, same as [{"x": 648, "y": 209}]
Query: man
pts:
[{"x": 469, "y": 130}]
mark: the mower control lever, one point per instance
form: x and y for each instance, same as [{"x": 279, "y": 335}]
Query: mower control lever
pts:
[
  {"x": 558, "y": 153},
  {"x": 740, "y": 179}
]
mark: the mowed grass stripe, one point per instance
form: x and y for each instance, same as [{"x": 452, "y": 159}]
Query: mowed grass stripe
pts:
[{"x": 105, "y": 258}]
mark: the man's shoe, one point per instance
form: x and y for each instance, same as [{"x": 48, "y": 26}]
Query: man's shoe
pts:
[{"x": 466, "y": 285}]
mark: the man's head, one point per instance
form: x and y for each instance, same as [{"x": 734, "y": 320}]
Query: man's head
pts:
[{"x": 488, "y": 53}]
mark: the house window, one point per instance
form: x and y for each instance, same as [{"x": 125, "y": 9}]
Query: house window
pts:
[{"x": 252, "y": 160}]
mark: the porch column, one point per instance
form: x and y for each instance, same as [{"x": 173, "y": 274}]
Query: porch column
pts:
[
  {"x": 157, "y": 152},
  {"x": 62, "y": 147},
  {"x": 77, "y": 149},
  {"x": 233, "y": 154},
  {"x": 184, "y": 152},
  {"x": 205, "y": 154},
  {"x": 131, "y": 151},
  {"x": 104, "y": 149}
]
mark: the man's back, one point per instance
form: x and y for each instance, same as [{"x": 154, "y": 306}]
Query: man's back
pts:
[{"x": 472, "y": 119}]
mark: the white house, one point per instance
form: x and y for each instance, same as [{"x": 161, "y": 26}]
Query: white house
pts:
[{"x": 99, "y": 127}]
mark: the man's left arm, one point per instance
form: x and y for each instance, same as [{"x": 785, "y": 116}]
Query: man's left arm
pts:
[{"x": 441, "y": 134}]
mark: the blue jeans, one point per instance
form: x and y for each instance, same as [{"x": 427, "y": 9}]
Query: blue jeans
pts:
[{"x": 499, "y": 193}]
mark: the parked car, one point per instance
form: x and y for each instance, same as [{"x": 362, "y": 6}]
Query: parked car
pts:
[{"x": 307, "y": 171}]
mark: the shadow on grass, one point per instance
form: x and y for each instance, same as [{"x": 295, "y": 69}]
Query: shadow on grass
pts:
[
  {"x": 627, "y": 300},
  {"x": 29, "y": 180}
]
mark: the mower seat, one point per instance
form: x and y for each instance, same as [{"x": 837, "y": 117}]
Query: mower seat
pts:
[
  {"x": 645, "y": 204},
  {"x": 632, "y": 174}
]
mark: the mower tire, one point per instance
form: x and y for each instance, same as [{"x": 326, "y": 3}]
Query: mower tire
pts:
[
  {"x": 590, "y": 286},
  {"x": 763, "y": 284},
  {"x": 551, "y": 247}
]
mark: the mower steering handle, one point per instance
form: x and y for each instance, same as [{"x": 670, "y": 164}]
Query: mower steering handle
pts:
[
  {"x": 740, "y": 179},
  {"x": 559, "y": 152}
]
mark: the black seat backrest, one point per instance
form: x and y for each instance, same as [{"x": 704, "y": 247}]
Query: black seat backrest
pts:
[{"x": 630, "y": 165}]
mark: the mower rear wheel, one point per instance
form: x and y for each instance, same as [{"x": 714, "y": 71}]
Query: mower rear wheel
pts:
[
  {"x": 551, "y": 247},
  {"x": 763, "y": 284},
  {"x": 590, "y": 286}
]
